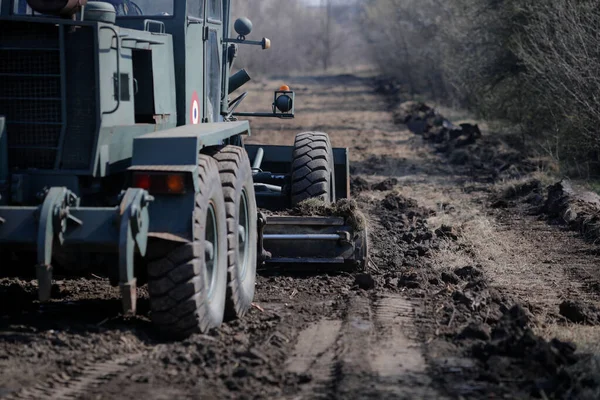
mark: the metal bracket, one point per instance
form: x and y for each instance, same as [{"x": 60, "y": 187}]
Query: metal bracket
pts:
[
  {"x": 133, "y": 233},
  {"x": 263, "y": 255},
  {"x": 54, "y": 217},
  {"x": 345, "y": 237}
]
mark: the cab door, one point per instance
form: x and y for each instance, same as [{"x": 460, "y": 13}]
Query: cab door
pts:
[
  {"x": 213, "y": 56},
  {"x": 195, "y": 60}
]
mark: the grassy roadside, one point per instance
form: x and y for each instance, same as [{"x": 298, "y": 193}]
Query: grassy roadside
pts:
[{"x": 520, "y": 293}]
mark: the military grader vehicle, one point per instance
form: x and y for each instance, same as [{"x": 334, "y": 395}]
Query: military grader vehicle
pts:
[{"x": 121, "y": 149}]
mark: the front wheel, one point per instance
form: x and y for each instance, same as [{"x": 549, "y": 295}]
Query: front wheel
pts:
[
  {"x": 188, "y": 286},
  {"x": 313, "y": 173}
]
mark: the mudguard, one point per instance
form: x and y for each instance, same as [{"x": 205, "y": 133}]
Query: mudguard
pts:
[
  {"x": 181, "y": 145},
  {"x": 177, "y": 150}
]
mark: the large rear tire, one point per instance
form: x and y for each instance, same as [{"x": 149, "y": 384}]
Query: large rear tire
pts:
[
  {"x": 313, "y": 173},
  {"x": 188, "y": 286},
  {"x": 240, "y": 204}
]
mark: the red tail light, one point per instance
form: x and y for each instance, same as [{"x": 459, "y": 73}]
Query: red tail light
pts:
[
  {"x": 160, "y": 183},
  {"x": 141, "y": 181}
]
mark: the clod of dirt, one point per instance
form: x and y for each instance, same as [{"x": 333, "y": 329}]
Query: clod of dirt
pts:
[
  {"x": 387, "y": 86},
  {"x": 348, "y": 209},
  {"x": 397, "y": 202},
  {"x": 387, "y": 184},
  {"x": 446, "y": 231},
  {"x": 467, "y": 298},
  {"x": 365, "y": 281},
  {"x": 475, "y": 330},
  {"x": 15, "y": 296},
  {"x": 359, "y": 184},
  {"x": 409, "y": 280},
  {"x": 459, "y": 157},
  {"x": 579, "y": 313},
  {"x": 500, "y": 204},
  {"x": 535, "y": 199},
  {"x": 527, "y": 192},
  {"x": 522, "y": 189},
  {"x": 400, "y": 204},
  {"x": 468, "y": 273},
  {"x": 416, "y": 115},
  {"x": 469, "y": 135},
  {"x": 449, "y": 278}
]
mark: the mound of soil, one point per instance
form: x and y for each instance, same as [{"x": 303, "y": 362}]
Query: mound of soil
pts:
[
  {"x": 387, "y": 184},
  {"x": 544, "y": 369},
  {"x": 529, "y": 192},
  {"x": 402, "y": 243},
  {"x": 577, "y": 208},
  {"x": 579, "y": 313},
  {"x": 464, "y": 145},
  {"x": 424, "y": 120},
  {"x": 348, "y": 209},
  {"x": 359, "y": 184}
]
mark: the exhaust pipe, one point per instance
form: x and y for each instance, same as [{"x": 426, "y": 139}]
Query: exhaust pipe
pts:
[{"x": 238, "y": 80}]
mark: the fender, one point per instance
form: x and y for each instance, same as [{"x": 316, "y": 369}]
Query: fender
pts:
[
  {"x": 177, "y": 150},
  {"x": 181, "y": 145}
]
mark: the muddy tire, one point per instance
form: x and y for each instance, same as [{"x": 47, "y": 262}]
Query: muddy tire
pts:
[
  {"x": 188, "y": 286},
  {"x": 312, "y": 168},
  {"x": 240, "y": 205}
]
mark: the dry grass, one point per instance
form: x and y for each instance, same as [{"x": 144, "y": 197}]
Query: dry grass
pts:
[
  {"x": 347, "y": 209},
  {"x": 587, "y": 338}
]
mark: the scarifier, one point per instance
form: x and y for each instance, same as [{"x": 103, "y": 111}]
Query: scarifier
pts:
[{"x": 121, "y": 149}]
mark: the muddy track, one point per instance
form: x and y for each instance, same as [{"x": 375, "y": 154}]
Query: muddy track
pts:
[
  {"x": 376, "y": 341},
  {"x": 446, "y": 270},
  {"x": 88, "y": 377}
]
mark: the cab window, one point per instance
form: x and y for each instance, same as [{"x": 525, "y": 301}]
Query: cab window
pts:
[
  {"x": 196, "y": 8},
  {"x": 214, "y": 77},
  {"x": 20, "y": 7},
  {"x": 215, "y": 9},
  {"x": 142, "y": 7}
]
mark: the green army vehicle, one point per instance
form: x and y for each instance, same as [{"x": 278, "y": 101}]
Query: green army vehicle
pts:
[{"x": 121, "y": 149}]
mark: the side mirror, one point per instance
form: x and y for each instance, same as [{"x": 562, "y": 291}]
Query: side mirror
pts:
[{"x": 243, "y": 26}]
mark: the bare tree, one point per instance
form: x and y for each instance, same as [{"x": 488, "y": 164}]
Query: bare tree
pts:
[
  {"x": 304, "y": 37},
  {"x": 327, "y": 37}
]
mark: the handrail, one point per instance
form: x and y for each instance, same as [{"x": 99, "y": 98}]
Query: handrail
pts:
[
  {"x": 148, "y": 22},
  {"x": 118, "y": 69}
]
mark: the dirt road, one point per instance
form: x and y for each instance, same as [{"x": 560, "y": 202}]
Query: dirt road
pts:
[{"x": 459, "y": 301}]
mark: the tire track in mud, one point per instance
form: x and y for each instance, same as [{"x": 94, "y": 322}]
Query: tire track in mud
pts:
[
  {"x": 376, "y": 342},
  {"x": 397, "y": 359},
  {"x": 313, "y": 358},
  {"x": 63, "y": 387}
]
